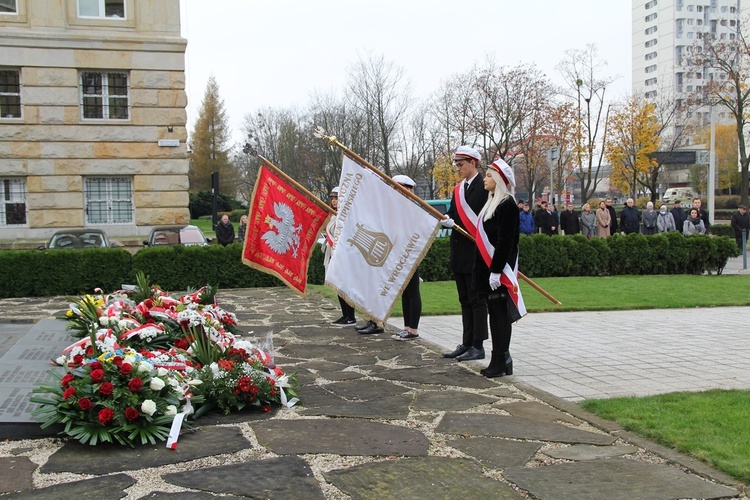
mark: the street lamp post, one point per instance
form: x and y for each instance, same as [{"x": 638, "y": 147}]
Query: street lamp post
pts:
[
  {"x": 551, "y": 157},
  {"x": 712, "y": 169}
]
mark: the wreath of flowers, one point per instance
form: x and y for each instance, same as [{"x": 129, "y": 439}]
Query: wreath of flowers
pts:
[{"x": 144, "y": 357}]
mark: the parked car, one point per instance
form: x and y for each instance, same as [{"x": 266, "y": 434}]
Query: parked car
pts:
[
  {"x": 78, "y": 239},
  {"x": 441, "y": 206},
  {"x": 682, "y": 194},
  {"x": 176, "y": 235}
]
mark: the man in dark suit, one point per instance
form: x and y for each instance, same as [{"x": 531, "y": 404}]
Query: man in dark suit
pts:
[
  {"x": 469, "y": 196},
  {"x": 569, "y": 223},
  {"x": 548, "y": 219},
  {"x": 612, "y": 216}
]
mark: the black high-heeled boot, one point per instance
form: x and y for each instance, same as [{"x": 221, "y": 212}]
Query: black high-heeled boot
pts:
[
  {"x": 494, "y": 361},
  {"x": 500, "y": 369}
]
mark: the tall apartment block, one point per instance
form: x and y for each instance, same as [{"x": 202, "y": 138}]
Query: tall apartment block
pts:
[{"x": 92, "y": 116}]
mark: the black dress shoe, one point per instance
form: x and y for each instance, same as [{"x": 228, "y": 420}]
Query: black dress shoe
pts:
[
  {"x": 367, "y": 325},
  {"x": 472, "y": 353},
  {"x": 373, "y": 328},
  {"x": 460, "y": 349}
]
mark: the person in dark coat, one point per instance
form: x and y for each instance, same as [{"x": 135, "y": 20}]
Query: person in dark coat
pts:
[
  {"x": 703, "y": 214},
  {"x": 496, "y": 265},
  {"x": 547, "y": 219},
  {"x": 224, "y": 231},
  {"x": 468, "y": 199},
  {"x": 740, "y": 220},
  {"x": 679, "y": 215},
  {"x": 612, "y": 216},
  {"x": 569, "y": 223},
  {"x": 630, "y": 219}
]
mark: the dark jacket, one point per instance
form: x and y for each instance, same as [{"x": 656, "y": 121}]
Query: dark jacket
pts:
[
  {"x": 224, "y": 233},
  {"x": 569, "y": 222},
  {"x": 679, "y": 218},
  {"x": 739, "y": 222},
  {"x": 630, "y": 219},
  {"x": 463, "y": 249},
  {"x": 502, "y": 231},
  {"x": 703, "y": 214},
  {"x": 613, "y": 219},
  {"x": 547, "y": 221}
]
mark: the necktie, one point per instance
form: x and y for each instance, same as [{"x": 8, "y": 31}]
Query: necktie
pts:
[{"x": 466, "y": 186}]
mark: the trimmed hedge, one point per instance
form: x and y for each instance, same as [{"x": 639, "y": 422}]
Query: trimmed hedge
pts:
[{"x": 30, "y": 273}]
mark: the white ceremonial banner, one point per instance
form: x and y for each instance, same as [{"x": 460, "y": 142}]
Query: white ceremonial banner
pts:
[{"x": 380, "y": 238}]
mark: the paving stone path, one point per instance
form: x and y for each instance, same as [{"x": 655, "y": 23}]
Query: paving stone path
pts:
[{"x": 380, "y": 419}]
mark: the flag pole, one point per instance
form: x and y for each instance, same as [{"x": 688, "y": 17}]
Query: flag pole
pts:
[
  {"x": 296, "y": 184},
  {"x": 332, "y": 140}
]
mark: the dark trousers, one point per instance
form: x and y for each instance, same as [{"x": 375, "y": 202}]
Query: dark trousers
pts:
[
  {"x": 473, "y": 312},
  {"x": 411, "y": 303},
  {"x": 500, "y": 325},
  {"x": 346, "y": 310}
]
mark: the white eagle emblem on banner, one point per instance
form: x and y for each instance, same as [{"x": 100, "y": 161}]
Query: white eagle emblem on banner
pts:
[{"x": 286, "y": 234}]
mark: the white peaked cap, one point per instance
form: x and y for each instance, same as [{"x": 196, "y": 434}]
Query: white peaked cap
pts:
[
  {"x": 505, "y": 172},
  {"x": 467, "y": 152},
  {"x": 405, "y": 180},
  {"x": 334, "y": 191}
]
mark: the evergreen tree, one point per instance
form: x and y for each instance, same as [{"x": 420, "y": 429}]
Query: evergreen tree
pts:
[{"x": 209, "y": 143}]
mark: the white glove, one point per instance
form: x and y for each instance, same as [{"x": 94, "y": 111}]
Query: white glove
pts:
[
  {"x": 447, "y": 222},
  {"x": 494, "y": 281}
]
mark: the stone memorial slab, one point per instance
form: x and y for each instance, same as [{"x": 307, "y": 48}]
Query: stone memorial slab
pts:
[
  {"x": 314, "y": 351},
  {"x": 108, "y": 458},
  {"x": 16, "y": 475},
  {"x": 340, "y": 375},
  {"x": 589, "y": 452},
  {"x": 11, "y": 333},
  {"x": 421, "y": 477},
  {"x": 365, "y": 390},
  {"x": 497, "y": 453},
  {"x": 449, "y": 400},
  {"x": 340, "y": 436},
  {"x": 613, "y": 479},
  {"x": 283, "y": 477},
  {"x": 537, "y": 411},
  {"x": 477, "y": 424},
  {"x": 114, "y": 487},
  {"x": 504, "y": 392},
  {"x": 440, "y": 375},
  {"x": 326, "y": 366},
  {"x": 236, "y": 417},
  {"x": 388, "y": 407},
  {"x": 361, "y": 360}
]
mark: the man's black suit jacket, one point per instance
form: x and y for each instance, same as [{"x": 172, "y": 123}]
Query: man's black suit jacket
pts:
[{"x": 463, "y": 249}]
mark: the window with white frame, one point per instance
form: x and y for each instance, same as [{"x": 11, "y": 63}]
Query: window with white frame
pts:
[
  {"x": 650, "y": 81},
  {"x": 10, "y": 93},
  {"x": 651, "y": 69},
  {"x": 109, "y": 200},
  {"x": 8, "y": 7},
  {"x": 651, "y": 43},
  {"x": 104, "y": 95},
  {"x": 651, "y": 30},
  {"x": 650, "y": 55},
  {"x": 12, "y": 202},
  {"x": 650, "y": 17},
  {"x": 114, "y": 9}
]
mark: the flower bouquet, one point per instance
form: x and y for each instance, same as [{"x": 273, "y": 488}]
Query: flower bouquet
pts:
[{"x": 143, "y": 357}]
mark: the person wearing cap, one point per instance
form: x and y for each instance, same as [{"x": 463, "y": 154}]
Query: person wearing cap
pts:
[
  {"x": 468, "y": 199},
  {"x": 740, "y": 221},
  {"x": 496, "y": 265},
  {"x": 411, "y": 299},
  {"x": 347, "y": 311},
  {"x": 679, "y": 215}
]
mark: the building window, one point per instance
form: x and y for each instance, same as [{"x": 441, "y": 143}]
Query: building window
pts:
[
  {"x": 651, "y": 43},
  {"x": 651, "y": 4},
  {"x": 679, "y": 5},
  {"x": 650, "y": 55},
  {"x": 102, "y": 8},
  {"x": 8, "y": 7},
  {"x": 104, "y": 95},
  {"x": 690, "y": 8},
  {"x": 109, "y": 200},
  {"x": 690, "y": 22},
  {"x": 13, "y": 205},
  {"x": 650, "y": 94},
  {"x": 651, "y": 30},
  {"x": 732, "y": 10},
  {"x": 651, "y": 69},
  {"x": 10, "y": 93},
  {"x": 650, "y": 81},
  {"x": 650, "y": 17}
]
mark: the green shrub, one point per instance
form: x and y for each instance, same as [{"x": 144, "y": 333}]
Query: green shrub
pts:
[
  {"x": 436, "y": 264},
  {"x": 316, "y": 273},
  {"x": 722, "y": 229}
]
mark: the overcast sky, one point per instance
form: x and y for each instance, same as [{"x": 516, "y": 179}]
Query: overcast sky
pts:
[{"x": 276, "y": 53}]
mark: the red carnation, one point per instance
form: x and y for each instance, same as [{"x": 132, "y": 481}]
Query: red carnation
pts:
[
  {"x": 77, "y": 359},
  {"x": 225, "y": 364},
  {"x": 106, "y": 389},
  {"x": 67, "y": 379},
  {"x": 131, "y": 413},
  {"x": 85, "y": 404},
  {"x": 182, "y": 344},
  {"x": 70, "y": 391},
  {"x": 117, "y": 361},
  {"x": 105, "y": 416},
  {"x": 135, "y": 384},
  {"x": 95, "y": 365},
  {"x": 266, "y": 408},
  {"x": 126, "y": 368},
  {"x": 97, "y": 375}
]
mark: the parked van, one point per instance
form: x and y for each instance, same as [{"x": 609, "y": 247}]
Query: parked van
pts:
[
  {"x": 441, "y": 206},
  {"x": 683, "y": 194}
]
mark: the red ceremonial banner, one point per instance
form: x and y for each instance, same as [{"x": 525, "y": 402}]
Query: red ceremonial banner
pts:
[{"x": 282, "y": 229}]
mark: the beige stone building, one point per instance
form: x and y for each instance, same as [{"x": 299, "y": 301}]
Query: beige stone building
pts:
[{"x": 92, "y": 116}]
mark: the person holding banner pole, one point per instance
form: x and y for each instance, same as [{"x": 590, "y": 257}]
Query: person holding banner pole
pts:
[
  {"x": 468, "y": 198},
  {"x": 347, "y": 311},
  {"x": 496, "y": 265},
  {"x": 411, "y": 299}
]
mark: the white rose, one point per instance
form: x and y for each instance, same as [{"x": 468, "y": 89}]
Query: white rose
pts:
[
  {"x": 157, "y": 384},
  {"x": 145, "y": 366},
  {"x": 162, "y": 372},
  {"x": 148, "y": 407},
  {"x": 171, "y": 411},
  {"x": 103, "y": 320},
  {"x": 62, "y": 361},
  {"x": 214, "y": 369}
]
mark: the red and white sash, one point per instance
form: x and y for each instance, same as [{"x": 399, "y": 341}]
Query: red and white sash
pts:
[{"x": 465, "y": 213}]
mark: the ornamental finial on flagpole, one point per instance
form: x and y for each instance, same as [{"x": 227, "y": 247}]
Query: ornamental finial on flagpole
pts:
[{"x": 320, "y": 133}]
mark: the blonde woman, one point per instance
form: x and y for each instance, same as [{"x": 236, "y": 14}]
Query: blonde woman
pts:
[
  {"x": 603, "y": 220},
  {"x": 588, "y": 222}
]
